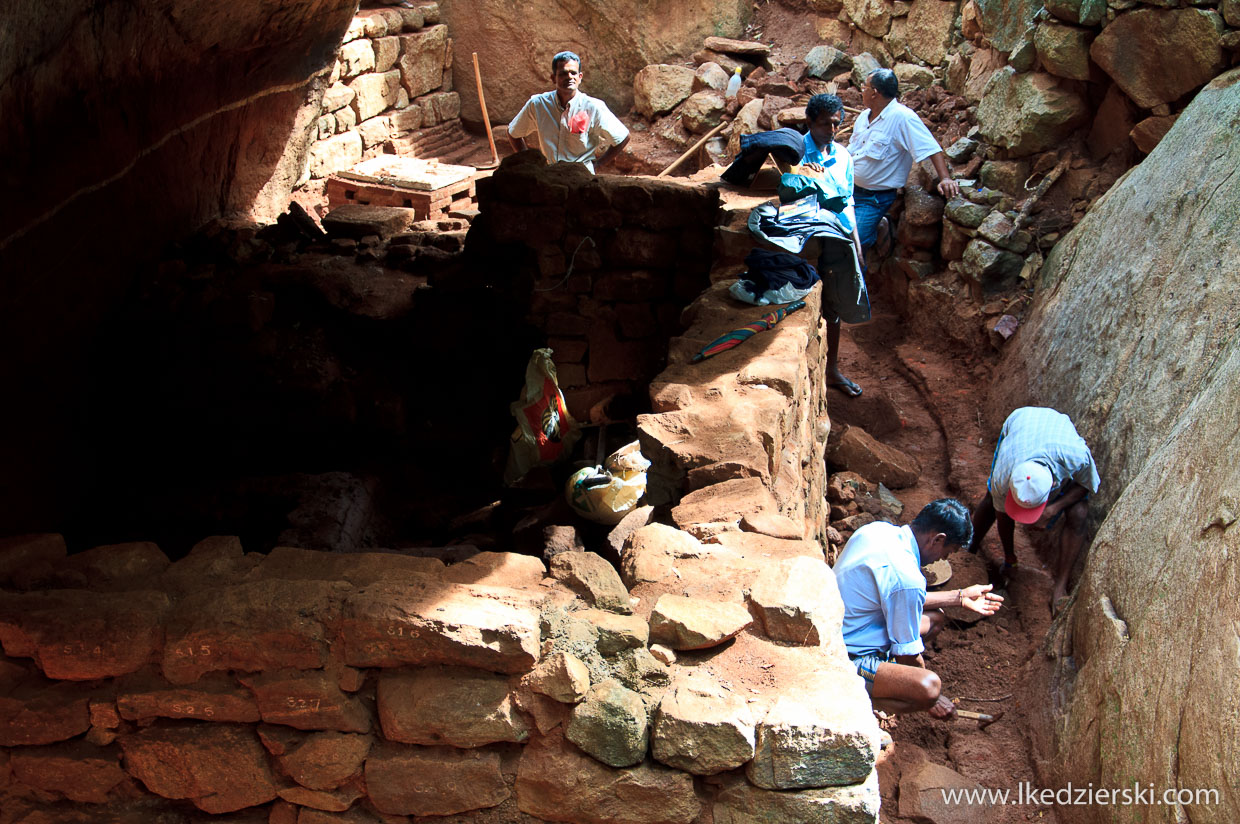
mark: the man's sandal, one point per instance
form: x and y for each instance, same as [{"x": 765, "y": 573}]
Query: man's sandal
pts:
[{"x": 849, "y": 388}]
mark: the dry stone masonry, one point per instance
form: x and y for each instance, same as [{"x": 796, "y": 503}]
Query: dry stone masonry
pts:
[
  {"x": 390, "y": 91},
  {"x": 303, "y": 686}
]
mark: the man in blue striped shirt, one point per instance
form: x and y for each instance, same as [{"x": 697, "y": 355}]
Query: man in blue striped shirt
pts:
[{"x": 887, "y": 612}]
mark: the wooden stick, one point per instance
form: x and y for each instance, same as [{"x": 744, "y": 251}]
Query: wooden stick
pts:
[
  {"x": 692, "y": 149},
  {"x": 486, "y": 121},
  {"x": 1038, "y": 191}
]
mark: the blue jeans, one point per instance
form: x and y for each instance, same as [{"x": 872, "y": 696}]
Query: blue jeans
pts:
[{"x": 870, "y": 207}]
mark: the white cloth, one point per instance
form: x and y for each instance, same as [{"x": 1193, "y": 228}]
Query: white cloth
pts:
[
  {"x": 883, "y": 589},
  {"x": 597, "y": 129},
  {"x": 1035, "y": 433},
  {"x": 884, "y": 150}
]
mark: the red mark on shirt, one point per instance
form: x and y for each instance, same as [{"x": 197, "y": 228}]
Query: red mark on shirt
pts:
[{"x": 578, "y": 123}]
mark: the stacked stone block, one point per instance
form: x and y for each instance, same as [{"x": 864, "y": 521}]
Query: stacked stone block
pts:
[
  {"x": 390, "y": 91},
  {"x": 304, "y": 686}
]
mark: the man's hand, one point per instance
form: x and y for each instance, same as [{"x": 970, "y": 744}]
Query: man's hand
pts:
[
  {"x": 948, "y": 188},
  {"x": 979, "y": 598},
  {"x": 943, "y": 708},
  {"x": 813, "y": 167},
  {"x": 1045, "y": 518}
]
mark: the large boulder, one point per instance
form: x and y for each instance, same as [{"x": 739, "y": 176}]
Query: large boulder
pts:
[
  {"x": 825, "y": 62},
  {"x": 1028, "y": 113},
  {"x": 1004, "y": 22},
  {"x": 930, "y": 29},
  {"x": 703, "y": 111},
  {"x": 1063, "y": 50},
  {"x": 1154, "y": 391},
  {"x": 871, "y": 16},
  {"x": 659, "y": 88},
  {"x": 615, "y": 41},
  {"x": 1157, "y": 55}
]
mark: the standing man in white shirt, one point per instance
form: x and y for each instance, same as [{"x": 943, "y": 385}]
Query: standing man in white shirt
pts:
[
  {"x": 887, "y": 138},
  {"x": 570, "y": 125}
]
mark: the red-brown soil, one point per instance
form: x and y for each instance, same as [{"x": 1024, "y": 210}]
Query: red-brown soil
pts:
[{"x": 983, "y": 660}]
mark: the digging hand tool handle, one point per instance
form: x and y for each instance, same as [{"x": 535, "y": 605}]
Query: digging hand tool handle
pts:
[{"x": 486, "y": 121}]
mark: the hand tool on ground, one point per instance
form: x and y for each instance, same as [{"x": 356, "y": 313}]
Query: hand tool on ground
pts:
[
  {"x": 983, "y": 720},
  {"x": 689, "y": 152}
]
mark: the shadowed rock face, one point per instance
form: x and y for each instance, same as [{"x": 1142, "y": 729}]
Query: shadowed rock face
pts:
[
  {"x": 615, "y": 40},
  {"x": 1136, "y": 340},
  {"x": 127, "y": 126}
]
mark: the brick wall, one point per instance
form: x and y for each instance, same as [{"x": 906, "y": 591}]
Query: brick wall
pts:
[{"x": 639, "y": 251}]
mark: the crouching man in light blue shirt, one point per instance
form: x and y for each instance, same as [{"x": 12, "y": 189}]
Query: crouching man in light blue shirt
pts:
[{"x": 888, "y": 613}]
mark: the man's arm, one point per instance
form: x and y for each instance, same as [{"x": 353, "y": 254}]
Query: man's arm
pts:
[
  {"x": 1075, "y": 493},
  {"x": 947, "y": 187},
  {"x": 524, "y": 123},
  {"x": 977, "y": 598},
  {"x": 612, "y": 152}
]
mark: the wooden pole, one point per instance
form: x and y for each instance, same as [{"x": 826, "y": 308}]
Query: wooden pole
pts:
[
  {"x": 692, "y": 149},
  {"x": 486, "y": 121}
]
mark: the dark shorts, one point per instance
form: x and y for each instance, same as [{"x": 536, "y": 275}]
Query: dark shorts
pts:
[{"x": 867, "y": 666}]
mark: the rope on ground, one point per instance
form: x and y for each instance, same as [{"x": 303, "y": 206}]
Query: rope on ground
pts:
[{"x": 987, "y": 700}]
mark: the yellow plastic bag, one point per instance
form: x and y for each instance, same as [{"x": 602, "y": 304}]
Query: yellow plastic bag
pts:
[{"x": 605, "y": 494}]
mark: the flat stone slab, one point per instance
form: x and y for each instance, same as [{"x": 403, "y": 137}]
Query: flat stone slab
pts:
[
  {"x": 356, "y": 221},
  {"x": 695, "y": 623},
  {"x": 729, "y": 46}
]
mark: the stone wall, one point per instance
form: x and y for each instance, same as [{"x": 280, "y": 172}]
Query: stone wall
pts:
[
  {"x": 1134, "y": 336},
  {"x": 390, "y": 91},
  {"x": 603, "y": 265},
  {"x": 310, "y": 687}
]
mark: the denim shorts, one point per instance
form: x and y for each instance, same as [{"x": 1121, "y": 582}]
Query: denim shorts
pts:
[
  {"x": 867, "y": 666},
  {"x": 870, "y": 207}
]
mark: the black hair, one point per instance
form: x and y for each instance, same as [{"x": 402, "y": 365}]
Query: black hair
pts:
[
  {"x": 949, "y": 516},
  {"x": 562, "y": 58},
  {"x": 885, "y": 83},
  {"x": 821, "y": 104}
]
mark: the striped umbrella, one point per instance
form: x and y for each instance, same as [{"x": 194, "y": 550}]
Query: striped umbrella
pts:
[{"x": 737, "y": 336}]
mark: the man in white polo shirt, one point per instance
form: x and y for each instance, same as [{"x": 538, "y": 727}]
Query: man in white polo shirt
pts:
[
  {"x": 570, "y": 125},
  {"x": 887, "y": 612},
  {"x": 887, "y": 138}
]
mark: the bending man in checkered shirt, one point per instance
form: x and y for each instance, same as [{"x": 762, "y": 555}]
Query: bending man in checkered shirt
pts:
[{"x": 1042, "y": 469}]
